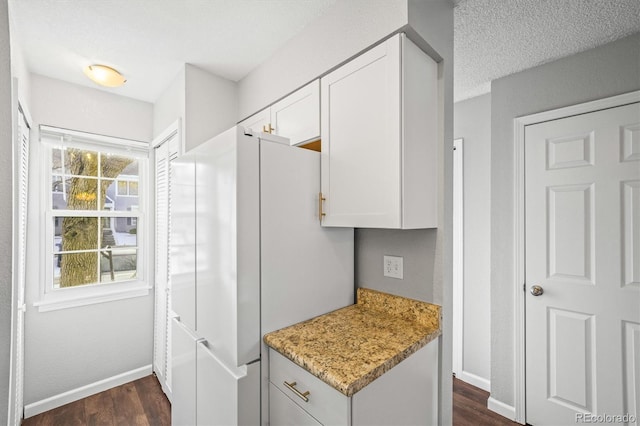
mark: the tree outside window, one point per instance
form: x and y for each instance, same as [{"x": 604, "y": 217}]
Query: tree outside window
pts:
[{"x": 94, "y": 227}]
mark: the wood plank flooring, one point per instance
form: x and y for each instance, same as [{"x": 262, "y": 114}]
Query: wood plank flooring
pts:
[
  {"x": 143, "y": 403},
  {"x": 140, "y": 403},
  {"x": 470, "y": 407}
]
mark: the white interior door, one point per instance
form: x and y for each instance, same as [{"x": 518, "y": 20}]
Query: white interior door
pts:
[
  {"x": 166, "y": 150},
  {"x": 582, "y": 230},
  {"x": 21, "y": 171}
]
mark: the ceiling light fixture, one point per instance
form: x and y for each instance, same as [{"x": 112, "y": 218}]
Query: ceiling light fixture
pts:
[{"x": 104, "y": 75}]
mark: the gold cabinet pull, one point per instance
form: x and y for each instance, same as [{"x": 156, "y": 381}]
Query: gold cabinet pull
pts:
[
  {"x": 320, "y": 212},
  {"x": 268, "y": 129},
  {"x": 302, "y": 395}
]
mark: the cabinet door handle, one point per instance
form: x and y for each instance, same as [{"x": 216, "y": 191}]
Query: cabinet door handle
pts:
[
  {"x": 268, "y": 129},
  {"x": 321, "y": 213},
  {"x": 302, "y": 395}
]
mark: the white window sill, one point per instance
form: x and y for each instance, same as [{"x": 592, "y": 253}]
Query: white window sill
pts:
[{"x": 91, "y": 294}]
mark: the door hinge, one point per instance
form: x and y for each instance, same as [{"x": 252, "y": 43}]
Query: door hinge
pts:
[{"x": 524, "y": 286}]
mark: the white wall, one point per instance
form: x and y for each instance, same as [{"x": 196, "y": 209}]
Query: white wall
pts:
[
  {"x": 5, "y": 209},
  {"x": 605, "y": 71},
  {"x": 205, "y": 103},
  {"x": 347, "y": 28},
  {"x": 170, "y": 105},
  {"x": 69, "y": 348},
  {"x": 472, "y": 122},
  {"x": 211, "y": 105}
]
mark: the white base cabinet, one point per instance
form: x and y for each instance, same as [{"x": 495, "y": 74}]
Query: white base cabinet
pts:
[
  {"x": 379, "y": 131},
  {"x": 405, "y": 395}
]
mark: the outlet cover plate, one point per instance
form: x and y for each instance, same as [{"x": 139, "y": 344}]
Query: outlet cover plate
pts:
[{"x": 393, "y": 267}]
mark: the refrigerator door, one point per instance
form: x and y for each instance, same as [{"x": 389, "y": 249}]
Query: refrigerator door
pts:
[
  {"x": 226, "y": 395},
  {"x": 228, "y": 246},
  {"x": 306, "y": 269},
  {"x": 182, "y": 240},
  {"x": 183, "y": 375}
]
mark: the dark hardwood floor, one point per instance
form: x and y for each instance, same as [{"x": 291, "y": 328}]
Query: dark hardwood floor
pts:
[
  {"x": 142, "y": 402},
  {"x": 470, "y": 407}
]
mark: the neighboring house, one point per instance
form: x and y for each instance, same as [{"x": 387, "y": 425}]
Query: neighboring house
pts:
[{"x": 122, "y": 195}]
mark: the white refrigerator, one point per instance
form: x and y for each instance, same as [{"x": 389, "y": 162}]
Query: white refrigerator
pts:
[{"x": 248, "y": 256}]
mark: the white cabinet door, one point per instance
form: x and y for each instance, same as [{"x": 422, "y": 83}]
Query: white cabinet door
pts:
[
  {"x": 226, "y": 395},
  {"x": 379, "y": 139},
  {"x": 183, "y": 374},
  {"x": 297, "y": 116},
  {"x": 258, "y": 121},
  {"x": 182, "y": 247},
  {"x": 361, "y": 140}
]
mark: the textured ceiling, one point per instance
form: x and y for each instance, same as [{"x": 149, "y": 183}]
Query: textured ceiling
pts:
[
  {"x": 150, "y": 40},
  {"x": 495, "y": 38}
]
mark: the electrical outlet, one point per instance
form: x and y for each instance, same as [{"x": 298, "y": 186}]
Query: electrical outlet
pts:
[{"x": 393, "y": 267}]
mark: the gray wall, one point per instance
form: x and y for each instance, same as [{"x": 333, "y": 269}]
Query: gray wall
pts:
[
  {"x": 605, "y": 71},
  {"x": 69, "y": 348},
  {"x": 472, "y": 122},
  {"x": 5, "y": 209}
]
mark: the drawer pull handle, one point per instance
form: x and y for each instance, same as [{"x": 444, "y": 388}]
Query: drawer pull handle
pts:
[{"x": 302, "y": 395}]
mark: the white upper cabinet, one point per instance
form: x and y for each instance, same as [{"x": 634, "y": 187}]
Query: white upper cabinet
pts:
[
  {"x": 258, "y": 122},
  {"x": 296, "y": 117},
  {"x": 379, "y": 132}
]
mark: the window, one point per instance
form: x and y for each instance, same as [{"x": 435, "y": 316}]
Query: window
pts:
[
  {"x": 127, "y": 188},
  {"x": 95, "y": 213}
]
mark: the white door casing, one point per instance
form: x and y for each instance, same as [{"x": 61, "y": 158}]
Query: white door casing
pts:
[
  {"x": 582, "y": 237},
  {"x": 458, "y": 256}
]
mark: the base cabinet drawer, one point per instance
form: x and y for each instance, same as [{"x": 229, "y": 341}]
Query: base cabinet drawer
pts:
[
  {"x": 284, "y": 412},
  {"x": 314, "y": 396},
  {"x": 405, "y": 395}
]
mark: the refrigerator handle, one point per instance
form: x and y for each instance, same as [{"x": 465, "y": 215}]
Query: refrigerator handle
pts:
[{"x": 237, "y": 373}]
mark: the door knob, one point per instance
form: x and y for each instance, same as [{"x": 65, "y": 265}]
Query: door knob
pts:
[{"x": 536, "y": 290}]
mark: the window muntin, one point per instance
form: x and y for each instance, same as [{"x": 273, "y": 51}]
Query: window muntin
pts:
[{"x": 94, "y": 231}]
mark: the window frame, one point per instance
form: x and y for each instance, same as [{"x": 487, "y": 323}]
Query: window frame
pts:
[{"x": 52, "y": 298}]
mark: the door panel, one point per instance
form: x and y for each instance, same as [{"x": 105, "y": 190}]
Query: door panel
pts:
[
  {"x": 582, "y": 210},
  {"x": 570, "y": 232},
  {"x": 570, "y": 360},
  {"x": 631, "y": 233},
  {"x": 632, "y": 368}
]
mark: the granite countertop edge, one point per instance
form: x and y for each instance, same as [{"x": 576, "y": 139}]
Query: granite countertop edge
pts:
[{"x": 352, "y": 387}]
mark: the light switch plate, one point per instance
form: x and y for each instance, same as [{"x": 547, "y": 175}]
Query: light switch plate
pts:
[{"x": 393, "y": 267}]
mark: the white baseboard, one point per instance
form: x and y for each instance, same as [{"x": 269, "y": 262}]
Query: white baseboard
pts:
[
  {"x": 501, "y": 408},
  {"x": 59, "y": 400},
  {"x": 475, "y": 380}
]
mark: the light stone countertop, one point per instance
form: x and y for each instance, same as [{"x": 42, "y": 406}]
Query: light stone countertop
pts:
[{"x": 351, "y": 347}]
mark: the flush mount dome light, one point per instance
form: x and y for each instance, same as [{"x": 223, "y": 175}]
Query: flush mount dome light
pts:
[{"x": 104, "y": 75}]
